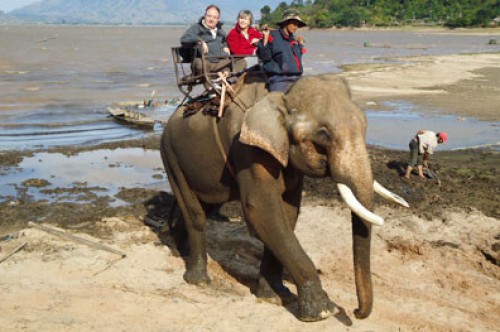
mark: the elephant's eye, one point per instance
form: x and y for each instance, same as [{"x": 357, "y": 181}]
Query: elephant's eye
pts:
[
  {"x": 322, "y": 136},
  {"x": 320, "y": 148}
]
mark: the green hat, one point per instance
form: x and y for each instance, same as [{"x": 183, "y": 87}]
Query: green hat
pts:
[{"x": 290, "y": 15}]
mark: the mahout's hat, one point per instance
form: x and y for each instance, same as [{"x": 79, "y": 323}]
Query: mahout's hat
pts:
[{"x": 292, "y": 15}]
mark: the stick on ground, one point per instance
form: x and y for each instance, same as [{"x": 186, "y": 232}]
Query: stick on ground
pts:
[
  {"x": 73, "y": 238},
  {"x": 16, "y": 249}
]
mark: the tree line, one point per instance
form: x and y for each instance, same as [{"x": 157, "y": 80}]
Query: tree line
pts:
[{"x": 356, "y": 13}]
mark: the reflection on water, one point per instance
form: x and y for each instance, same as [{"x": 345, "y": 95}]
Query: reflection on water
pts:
[
  {"x": 395, "y": 127},
  {"x": 104, "y": 171}
]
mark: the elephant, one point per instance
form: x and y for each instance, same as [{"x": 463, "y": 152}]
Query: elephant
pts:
[{"x": 258, "y": 152}]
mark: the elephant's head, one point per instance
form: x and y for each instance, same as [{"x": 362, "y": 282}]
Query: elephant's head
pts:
[{"x": 318, "y": 130}]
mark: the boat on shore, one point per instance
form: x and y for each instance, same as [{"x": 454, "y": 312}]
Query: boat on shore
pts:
[
  {"x": 140, "y": 113},
  {"x": 129, "y": 116}
]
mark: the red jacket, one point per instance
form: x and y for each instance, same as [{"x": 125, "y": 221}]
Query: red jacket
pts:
[{"x": 238, "y": 44}]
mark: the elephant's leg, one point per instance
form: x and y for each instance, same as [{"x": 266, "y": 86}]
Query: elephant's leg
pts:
[
  {"x": 270, "y": 284},
  {"x": 267, "y": 212},
  {"x": 196, "y": 267},
  {"x": 313, "y": 302},
  {"x": 195, "y": 222},
  {"x": 174, "y": 232}
]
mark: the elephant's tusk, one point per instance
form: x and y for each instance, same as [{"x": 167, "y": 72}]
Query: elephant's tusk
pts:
[
  {"x": 357, "y": 207},
  {"x": 379, "y": 189}
]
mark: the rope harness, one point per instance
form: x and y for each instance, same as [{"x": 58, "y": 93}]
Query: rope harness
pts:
[{"x": 215, "y": 108}]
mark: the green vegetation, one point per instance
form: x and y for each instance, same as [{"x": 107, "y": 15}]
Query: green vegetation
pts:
[{"x": 355, "y": 13}]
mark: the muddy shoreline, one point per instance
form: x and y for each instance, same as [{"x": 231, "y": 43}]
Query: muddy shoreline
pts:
[{"x": 467, "y": 180}]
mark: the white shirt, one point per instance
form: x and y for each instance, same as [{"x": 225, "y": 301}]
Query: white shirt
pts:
[{"x": 427, "y": 142}]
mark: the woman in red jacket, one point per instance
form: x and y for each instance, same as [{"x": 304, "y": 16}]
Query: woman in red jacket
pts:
[{"x": 243, "y": 38}]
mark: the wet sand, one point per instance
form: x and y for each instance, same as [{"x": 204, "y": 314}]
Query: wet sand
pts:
[
  {"x": 441, "y": 93},
  {"x": 461, "y": 85}
]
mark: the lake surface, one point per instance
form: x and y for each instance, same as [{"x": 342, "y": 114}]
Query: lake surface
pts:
[{"x": 56, "y": 81}]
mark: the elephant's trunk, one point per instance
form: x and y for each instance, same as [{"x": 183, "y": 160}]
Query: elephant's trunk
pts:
[
  {"x": 361, "y": 235},
  {"x": 360, "y": 181}
]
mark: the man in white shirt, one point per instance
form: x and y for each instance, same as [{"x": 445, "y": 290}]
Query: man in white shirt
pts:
[{"x": 421, "y": 146}]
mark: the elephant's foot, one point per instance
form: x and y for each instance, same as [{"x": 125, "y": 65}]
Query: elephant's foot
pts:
[
  {"x": 274, "y": 292},
  {"x": 314, "y": 304},
  {"x": 196, "y": 273}
]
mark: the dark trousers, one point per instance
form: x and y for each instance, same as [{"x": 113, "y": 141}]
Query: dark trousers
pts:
[
  {"x": 416, "y": 158},
  {"x": 281, "y": 83}
]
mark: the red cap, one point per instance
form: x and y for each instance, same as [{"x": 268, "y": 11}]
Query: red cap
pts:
[{"x": 444, "y": 136}]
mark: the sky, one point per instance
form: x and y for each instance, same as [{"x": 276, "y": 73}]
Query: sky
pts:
[{"x": 8, "y": 5}]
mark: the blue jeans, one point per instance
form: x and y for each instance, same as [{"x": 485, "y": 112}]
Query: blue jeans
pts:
[{"x": 281, "y": 83}]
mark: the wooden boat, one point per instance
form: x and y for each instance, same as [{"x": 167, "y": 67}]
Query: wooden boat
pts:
[
  {"x": 130, "y": 116},
  {"x": 143, "y": 113}
]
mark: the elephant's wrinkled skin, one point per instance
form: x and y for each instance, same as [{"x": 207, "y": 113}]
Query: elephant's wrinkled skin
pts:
[{"x": 314, "y": 130}]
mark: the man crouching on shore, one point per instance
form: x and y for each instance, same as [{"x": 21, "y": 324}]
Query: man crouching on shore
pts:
[{"x": 421, "y": 146}]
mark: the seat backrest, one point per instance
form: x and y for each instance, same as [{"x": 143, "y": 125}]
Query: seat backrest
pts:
[{"x": 184, "y": 54}]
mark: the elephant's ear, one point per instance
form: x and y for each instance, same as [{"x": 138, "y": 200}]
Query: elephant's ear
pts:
[{"x": 264, "y": 127}]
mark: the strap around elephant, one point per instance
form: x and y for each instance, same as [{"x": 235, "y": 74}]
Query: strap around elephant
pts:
[{"x": 221, "y": 148}]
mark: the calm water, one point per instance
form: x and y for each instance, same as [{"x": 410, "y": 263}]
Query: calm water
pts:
[{"x": 103, "y": 172}]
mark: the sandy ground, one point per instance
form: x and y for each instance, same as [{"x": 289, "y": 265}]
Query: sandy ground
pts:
[
  {"x": 435, "y": 265},
  {"x": 428, "y": 276},
  {"x": 436, "y": 77}
]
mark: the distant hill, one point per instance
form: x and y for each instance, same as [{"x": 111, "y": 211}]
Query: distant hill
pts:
[
  {"x": 7, "y": 19},
  {"x": 130, "y": 11}
]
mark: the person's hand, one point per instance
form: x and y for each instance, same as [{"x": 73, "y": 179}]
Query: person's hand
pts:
[
  {"x": 300, "y": 40},
  {"x": 254, "y": 41},
  {"x": 265, "y": 31},
  {"x": 204, "y": 47},
  {"x": 265, "y": 34}
]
